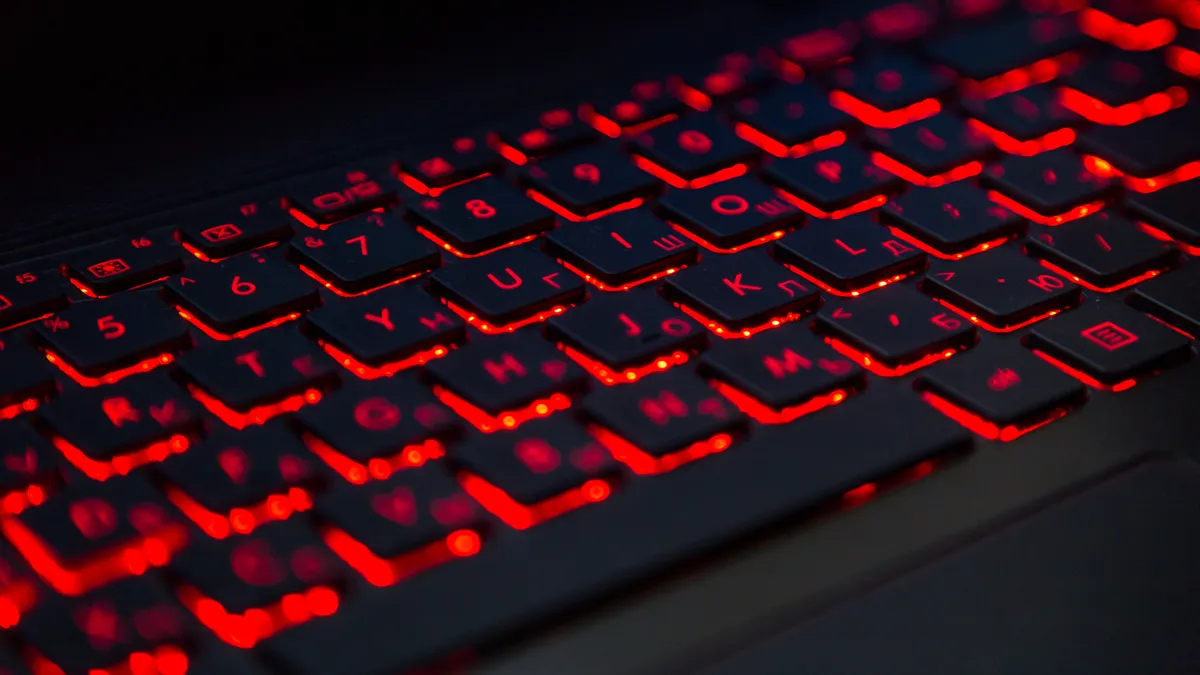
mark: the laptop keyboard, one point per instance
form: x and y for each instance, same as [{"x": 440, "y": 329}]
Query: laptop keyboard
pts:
[{"x": 542, "y": 363}]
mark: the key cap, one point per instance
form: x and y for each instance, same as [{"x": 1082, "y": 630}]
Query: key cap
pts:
[
  {"x": 1107, "y": 348},
  {"x": 1025, "y": 122},
  {"x": 647, "y": 105},
  {"x": 506, "y": 380},
  {"x": 1103, "y": 251},
  {"x": 822, "y": 47},
  {"x": 479, "y": 217},
  {"x": 639, "y": 532},
  {"x": 1000, "y": 391},
  {"x": 734, "y": 75},
  {"x": 899, "y": 22},
  {"x": 215, "y": 234},
  {"x": 242, "y": 294},
  {"x": 663, "y": 422},
  {"x": 111, "y": 430},
  {"x": 438, "y": 168},
  {"x": 1173, "y": 297},
  {"x": 622, "y": 250},
  {"x": 731, "y": 214},
  {"x": 983, "y": 52},
  {"x": 386, "y": 331},
  {"x": 1128, "y": 25},
  {"x": 26, "y": 459},
  {"x": 894, "y": 331},
  {"x": 101, "y": 342},
  {"x": 26, "y": 295},
  {"x": 554, "y": 130},
  {"x": 584, "y": 183},
  {"x": 1139, "y": 151},
  {"x": 850, "y": 256},
  {"x": 27, "y": 376},
  {"x": 508, "y": 287},
  {"x": 1002, "y": 290},
  {"x": 537, "y": 472},
  {"x": 122, "y": 264},
  {"x": 327, "y": 198},
  {"x": 888, "y": 90},
  {"x": 620, "y": 338},
  {"x": 96, "y": 533},
  {"x": 232, "y": 482},
  {"x": 953, "y": 221},
  {"x": 833, "y": 183},
  {"x": 1110, "y": 79},
  {"x": 378, "y": 427},
  {"x": 1171, "y": 211},
  {"x": 1050, "y": 189},
  {"x": 791, "y": 121},
  {"x": 932, "y": 152},
  {"x": 782, "y": 374},
  {"x": 365, "y": 252},
  {"x": 101, "y": 630},
  {"x": 247, "y": 382},
  {"x": 692, "y": 152},
  {"x": 741, "y": 292}
]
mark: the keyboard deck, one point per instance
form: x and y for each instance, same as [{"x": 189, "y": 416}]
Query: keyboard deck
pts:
[{"x": 519, "y": 371}]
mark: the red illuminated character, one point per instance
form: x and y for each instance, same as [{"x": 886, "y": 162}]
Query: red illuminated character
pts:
[
  {"x": 730, "y": 205},
  {"x": 234, "y": 463},
  {"x": 789, "y": 363},
  {"x": 220, "y": 233},
  {"x": 1002, "y": 379},
  {"x": 5, "y": 303},
  {"x": 830, "y": 170},
  {"x": 94, "y": 518},
  {"x": 587, "y": 173},
  {"x": 254, "y": 563},
  {"x": 119, "y": 411},
  {"x": 662, "y": 408},
  {"x": 377, "y": 414},
  {"x": 398, "y": 506},
  {"x": 1109, "y": 335},
  {"x": 538, "y": 455},
  {"x": 101, "y": 624},
  {"x": 694, "y": 142},
  {"x": 108, "y": 268},
  {"x": 435, "y": 167}
]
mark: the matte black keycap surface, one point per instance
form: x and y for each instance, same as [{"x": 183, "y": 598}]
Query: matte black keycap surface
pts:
[
  {"x": 1025, "y": 115},
  {"x": 508, "y": 285},
  {"x": 850, "y": 255},
  {"x": 1116, "y": 78},
  {"x": 731, "y": 213},
  {"x": 589, "y": 180},
  {"x": 26, "y": 294},
  {"x": 1049, "y": 184},
  {"x": 622, "y": 248},
  {"x": 790, "y": 116},
  {"x": 741, "y": 291},
  {"x": 952, "y": 219},
  {"x": 1002, "y": 288},
  {"x": 1103, "y": 250},
  {"x": 1172, "y": 210},
  {"x": 220, "y": 233},
  {"x": 554, "y": 130},
  {"x": 832, "y": 180},
  {"x": 692, "y": 148},
  {"x": 27, "y": 375},
  {"x": 11, "y": 663},
  {"x": 243, "y": 292},
  {"x": 1111, "y": 344},
  {"x": 1149, "y": 148},
  {"x": 124, "y": 263},
  {"x": 480, "y": 216},
  {"x": 647, "y": 102},
  {"x": 365, "y": 251},
  {"x": 992, "y": 48},
  {"x": 930, "y": 147},
  {"x": 461, "y": 159},
  {"x": 26, "y": 458},
  {"x": 888, "y": 82},
  {"x": 1173, "y": 297},
  {"x": 337, "y": 195}
]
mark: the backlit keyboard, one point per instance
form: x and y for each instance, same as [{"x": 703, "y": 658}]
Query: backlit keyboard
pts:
[{"x": 392, "y": 413}]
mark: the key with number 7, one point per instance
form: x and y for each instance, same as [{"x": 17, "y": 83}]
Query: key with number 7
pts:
[{"x": 364, "y": 252}]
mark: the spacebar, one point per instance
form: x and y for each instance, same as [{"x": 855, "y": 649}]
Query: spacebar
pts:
[{"x": 522, "y": 578}]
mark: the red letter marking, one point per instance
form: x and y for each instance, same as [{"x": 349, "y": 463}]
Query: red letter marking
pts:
[{"x": 382, "y": 319}]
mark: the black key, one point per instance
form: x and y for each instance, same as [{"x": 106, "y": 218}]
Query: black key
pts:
[
  {"x": 1111, "y": 346},
  {"x": 365, "y": 252},
  {"x": 791, "y": 121},
  {"x": 536, "y": 472},
  {"x": 101, "y": 630},
  {"x": 1173, "y": 297},
  {"x": 692, "y": 152},
  {"x": 940, "y": 150},
  {"x": 1147, "y": 150},
  {"x": 987, "y": 50},
  {"x": 1171, "y": 210},
  {"x": 26, "y": 295},
  {"x": 656, "y": 425},
  {"x": 1002, "y": 289},
  {"x": 214, "y": 234},
  {"x": 248, "y": 381},
  {"x": 741, "y": 292},
  {"x": 110, "y": 430},
  {"x": 849, "y": 256},
  {"x": 506, "y": 380},
  {"x": 122, "y": 264},
  {"x": 507, "y": 286},
  {"x": 97, "y": 533},
  {"x": 26, "y": 458},
  {"x": 822, "y": 47},
  {"x": 1024, "y": 122},
  {"x": 622, "y": 250},
  {"x": 386, "y": 331},
  {"x": 1111, "y": 78},
  {"x": 1004, "y": 390},
  {"x": 1105, "y": 252},
  {"x": 951, "y": 221},
  {"x": 27, "y": 376},
  {"x": 734, "y": 75},
  {"x": 479, "y": 217},
  {"x": 648, "y": 103},
  {"x": 232, "y": 482},
  {"x": 835, "y": 180},
  {"x": 95, "y": 339},
  {"x": 895, "y": 330},
  {"x": 888, "y": 90},
  {"x": 465, "y": 158},
  {"x": 241, "y": 294},
  {"x": 1050, "y": 188},
  {"x": 632, "y": 332},
  {"x": 327, "y": 198},
  {"x": 781, "y": 374},
  {"x": 378, "y": 426},
  {"x": 554, "y": 130},
  {"x": 730, "y": 214},
  {"x": 584, "y": 182}
]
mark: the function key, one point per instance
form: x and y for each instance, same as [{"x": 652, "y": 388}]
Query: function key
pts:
[
  {"x": 834, "y": 183},
  {"x": 1171, "y": 211},
  {"x": 537, "y": 472},
  {"x": 932, "y": 152},
  {"x": 482, "y": 216},
  {"x": 1026, "y": 122},
  {"x": 432, "y": 172},
  {"x": 1173, "y": 298},
  {"x": 1138, "y": 151},
  {"x": 791, "y": 121},
  {"x": 888, "y": 90},
  {"x": 122, "y": 264},
  {"x": 1108, "y": 348},
  {"x": 663, "y": 422},
  {"x": 730, "y": 215},
  {"x": 363, "y": 253},
  {"x": 735, "y": 75},
  {"x": 647, "y": 105},
  {"x": 1113, "y": 87},
  {"x": 28, "y": 465},
  {"x": 554, "y": 130},
  {"x": 26, "y": 295},
  {"x": 1050, "y": 189},
  {"x": 507, "y": 289},
  {"x": 241, "y": 295},
  {"x": 1102, "y": 252},
  {"x": 322, "y": 200},
  {"x": 692, "y": 152},
  {"x": 588, "y": 183},
  {"x": 850, "y": 256},
  {"x": 623, "y": 250},
  {"x": 213, "y": 235},
  {"x": 28, "y": 379},
  {"x": 951, "y": 222},
  {"x": 1000, "y": 391}
]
